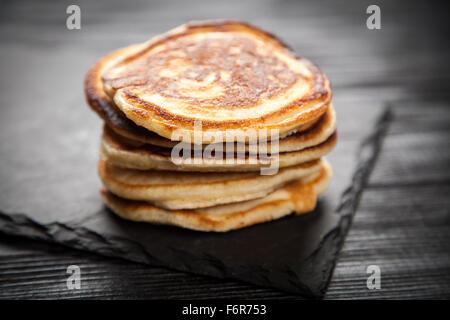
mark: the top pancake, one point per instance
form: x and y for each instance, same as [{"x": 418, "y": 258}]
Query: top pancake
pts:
[
  {"x": 105, "y": 107},
  {"x": 228, "y": 75}
]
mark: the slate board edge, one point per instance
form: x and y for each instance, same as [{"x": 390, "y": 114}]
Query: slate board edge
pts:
[
  {"x": 366, "y": 158},
  {"x": 112, "y": 246}
]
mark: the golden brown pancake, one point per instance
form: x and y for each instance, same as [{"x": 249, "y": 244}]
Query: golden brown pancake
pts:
[
  {"x": 189, "y": 190},
  {"x": 228, "y": 75},
  {"x": 101, "y": 103},
  {"x": 318, "y": 133},
  {"x": 119, "y": 152},
  {"x": 298, "y": 196}
]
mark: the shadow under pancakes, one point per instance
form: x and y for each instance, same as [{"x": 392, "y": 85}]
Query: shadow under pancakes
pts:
[{"x": 288, "y": 240}]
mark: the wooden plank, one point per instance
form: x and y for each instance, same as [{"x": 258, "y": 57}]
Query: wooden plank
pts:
[
  {"x": 406, "y": 232},
  {"x": 403, "y": 221},
  {"x": 417, "y": 149},
  {"x": 38, "y": 270}
]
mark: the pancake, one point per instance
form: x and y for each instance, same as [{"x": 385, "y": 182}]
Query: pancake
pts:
[
  {"x": 188, "y": 190},
  {"x": 229, "y": 75},
  {"x": 104, "y": 106},
  {"x": 118, "y": 152},
  {"x": 318, "y": 133},
  {"x": 299, "y": 197}
]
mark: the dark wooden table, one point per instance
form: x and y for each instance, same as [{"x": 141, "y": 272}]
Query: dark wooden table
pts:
[{"x": 402, "y": 223}]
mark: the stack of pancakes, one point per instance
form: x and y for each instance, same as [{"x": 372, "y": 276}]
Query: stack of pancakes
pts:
[{"x": 224, "y": 87}]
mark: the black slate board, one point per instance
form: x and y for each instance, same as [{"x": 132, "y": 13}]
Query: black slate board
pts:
[{"x": 50, "y": 192}]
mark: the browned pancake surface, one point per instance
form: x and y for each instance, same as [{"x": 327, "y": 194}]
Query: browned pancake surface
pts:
[{"x": 228, "y": 75}]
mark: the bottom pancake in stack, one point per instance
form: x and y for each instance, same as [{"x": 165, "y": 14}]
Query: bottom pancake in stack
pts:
[{"x": 160, "y": 197}]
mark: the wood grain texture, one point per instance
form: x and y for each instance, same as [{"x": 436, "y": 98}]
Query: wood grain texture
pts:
[{"x": 403, "y": 220}]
